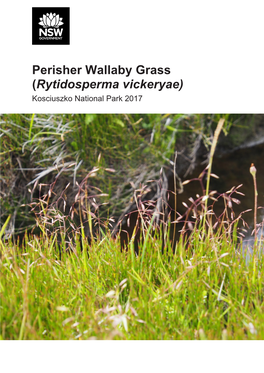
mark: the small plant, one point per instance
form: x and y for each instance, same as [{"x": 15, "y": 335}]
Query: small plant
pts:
[{"x": 207, "y": 219}]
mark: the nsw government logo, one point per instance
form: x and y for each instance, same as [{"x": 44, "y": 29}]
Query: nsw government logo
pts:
[{"x": 51, "y": 26}]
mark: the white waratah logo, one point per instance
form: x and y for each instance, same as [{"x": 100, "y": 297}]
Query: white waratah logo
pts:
[{"x": 51, "y": 20}]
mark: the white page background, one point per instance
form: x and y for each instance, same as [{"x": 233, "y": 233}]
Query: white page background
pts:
[{"x": 216, "y": 48}]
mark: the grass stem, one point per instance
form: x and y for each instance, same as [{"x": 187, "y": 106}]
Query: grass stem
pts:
[
  {"x": 253, "y": 172},
  {"x": 215, "y": 138}
]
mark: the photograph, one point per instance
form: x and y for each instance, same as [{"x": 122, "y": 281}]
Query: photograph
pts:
[{"x": 132, "y": 227}]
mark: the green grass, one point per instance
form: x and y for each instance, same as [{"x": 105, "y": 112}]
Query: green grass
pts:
[{"x": 207, "y": 291}]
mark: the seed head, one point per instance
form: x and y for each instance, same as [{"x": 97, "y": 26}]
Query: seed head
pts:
[{"x": 253, "y": 170}]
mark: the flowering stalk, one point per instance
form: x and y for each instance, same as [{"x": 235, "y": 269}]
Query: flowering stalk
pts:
[
  {"x": 215, "y": 138},
  {"x": 253, "y": 172}
]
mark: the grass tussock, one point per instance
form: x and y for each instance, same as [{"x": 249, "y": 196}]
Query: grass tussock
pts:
[{"x": 208, "y": 291}]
